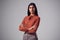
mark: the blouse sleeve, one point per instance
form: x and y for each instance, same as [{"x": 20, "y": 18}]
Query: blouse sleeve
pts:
[
  {"x": 36, "y": 24},
  {"x": 22, "y": 28}
]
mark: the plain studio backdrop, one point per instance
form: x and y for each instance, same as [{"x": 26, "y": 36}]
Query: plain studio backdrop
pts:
[{"x": 13, "y": 12}]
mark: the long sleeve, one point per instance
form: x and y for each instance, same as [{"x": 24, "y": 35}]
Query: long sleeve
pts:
[
  {"x": 36, "y": 24},
  {"x": 21, "y": 27}
]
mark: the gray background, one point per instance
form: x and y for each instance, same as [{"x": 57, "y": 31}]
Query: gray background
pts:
[{"x": 13, "y": 12}]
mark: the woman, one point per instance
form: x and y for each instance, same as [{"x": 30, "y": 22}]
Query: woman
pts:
[{"x": 30, "y": 23}]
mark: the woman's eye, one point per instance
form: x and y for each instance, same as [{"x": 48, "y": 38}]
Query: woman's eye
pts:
[{"x": 30, "y": 7}]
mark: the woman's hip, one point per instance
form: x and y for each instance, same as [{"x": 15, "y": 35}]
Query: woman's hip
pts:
[{"x": 30, "y": 36}]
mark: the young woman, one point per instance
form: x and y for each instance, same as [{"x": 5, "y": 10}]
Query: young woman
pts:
[{"x": 30, "y": 23}]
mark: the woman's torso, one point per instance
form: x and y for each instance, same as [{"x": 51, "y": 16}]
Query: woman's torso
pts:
[{"x": 29, "y": 22}]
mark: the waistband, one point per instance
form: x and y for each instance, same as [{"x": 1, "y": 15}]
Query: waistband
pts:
[{"x": 30, "y": 33}]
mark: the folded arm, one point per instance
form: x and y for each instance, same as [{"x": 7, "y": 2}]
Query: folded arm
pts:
[
  {"x": 22, "y": 26},
  {"x": 34, "y": 27}
]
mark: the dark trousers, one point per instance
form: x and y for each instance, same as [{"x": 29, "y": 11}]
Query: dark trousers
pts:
[{"x": 28, "y": 36}]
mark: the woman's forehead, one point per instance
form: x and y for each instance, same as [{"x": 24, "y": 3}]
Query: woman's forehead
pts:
[{"x": 31, "y": 6}]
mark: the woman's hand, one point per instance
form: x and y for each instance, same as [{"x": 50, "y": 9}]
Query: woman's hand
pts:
[{"x": 31, "y": 27}]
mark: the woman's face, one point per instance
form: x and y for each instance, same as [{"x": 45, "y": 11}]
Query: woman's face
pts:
[{"x": 31, "y": 9}]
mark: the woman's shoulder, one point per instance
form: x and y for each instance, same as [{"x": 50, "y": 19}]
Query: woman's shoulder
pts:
[
  {"x": 37, "y": 17},
  {"x": 25, "y": 16}
]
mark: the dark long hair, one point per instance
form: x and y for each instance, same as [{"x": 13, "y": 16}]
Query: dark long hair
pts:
[{"x": 36, "y": 13}]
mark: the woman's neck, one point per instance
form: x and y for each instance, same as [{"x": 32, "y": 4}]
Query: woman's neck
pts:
[{"x": 32, "y": 14}]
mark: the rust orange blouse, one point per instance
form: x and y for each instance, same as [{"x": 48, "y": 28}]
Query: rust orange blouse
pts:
[{"x": 28, "y": 22}]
